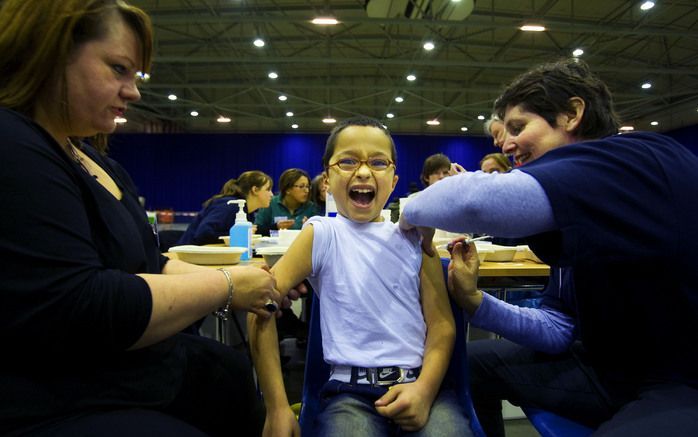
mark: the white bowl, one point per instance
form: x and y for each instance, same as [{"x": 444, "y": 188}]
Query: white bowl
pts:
[
  {"x": 209, "y": 255},
  {"x": 271, "y": 254},
  {"x": 286, "y": 236},
  {"x": 501, "y": 253}
]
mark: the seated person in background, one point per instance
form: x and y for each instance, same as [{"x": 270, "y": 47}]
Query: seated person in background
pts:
[
  {"x": 318, "y": 193},
  {"x": 435, "y": 168},
  {"x": 494, "y": 127},
  {"x": 393, "y": 316},
  {"x": 218, "y": 216},
  {"x": 495, "y": 162},
  {"x": 291, "y": 207},
  {"x": 615, "y": 217}
]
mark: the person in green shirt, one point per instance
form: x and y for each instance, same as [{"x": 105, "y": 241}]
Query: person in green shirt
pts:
[{"x": 291, "y": 207}]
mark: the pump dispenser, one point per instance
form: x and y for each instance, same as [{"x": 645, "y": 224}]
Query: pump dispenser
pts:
[{"x": 241, "y": 231}]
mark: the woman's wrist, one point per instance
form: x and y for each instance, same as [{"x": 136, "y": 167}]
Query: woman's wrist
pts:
[
  {"x": 472, "y": 301},
  {"x": 225, "y": 311}
]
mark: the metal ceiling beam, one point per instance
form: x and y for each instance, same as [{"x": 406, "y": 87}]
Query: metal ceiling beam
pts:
[
  {"x": 484, "y": 21},
  {"x": 465, "y": 63}
]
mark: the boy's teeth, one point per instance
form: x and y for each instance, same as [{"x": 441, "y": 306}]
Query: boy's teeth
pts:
[{"x": 364, "y": 190}]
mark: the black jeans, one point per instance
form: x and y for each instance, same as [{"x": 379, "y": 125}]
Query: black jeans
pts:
[{"x": 564, "y": 385}]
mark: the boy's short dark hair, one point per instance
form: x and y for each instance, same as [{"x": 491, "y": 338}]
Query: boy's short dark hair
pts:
[
  {"x": 433, "y": 164},
  {"x": 546, "y": 89},
  {"x": 354, "y": 121}
]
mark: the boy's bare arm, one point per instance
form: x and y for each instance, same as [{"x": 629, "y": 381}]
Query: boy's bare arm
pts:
[
  {"x": 290, "y": 270},
  {"x": 409, "y": 404},
  {"x": 441, "y": 329}
]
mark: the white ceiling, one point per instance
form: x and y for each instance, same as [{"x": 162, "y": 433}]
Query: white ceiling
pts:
[{"x": 204, "y": 54}]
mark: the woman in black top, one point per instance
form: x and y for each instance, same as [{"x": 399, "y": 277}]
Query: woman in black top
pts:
[{"x": 89, "y": 310}]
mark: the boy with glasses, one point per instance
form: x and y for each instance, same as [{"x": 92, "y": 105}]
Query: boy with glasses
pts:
[{"x": 386, "y": 321}]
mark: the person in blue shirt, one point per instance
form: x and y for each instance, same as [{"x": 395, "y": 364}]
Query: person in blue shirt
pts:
[
  {"x": 291, "y": 207},
  {"x": 614, "y": 344},
  {"x": 217, "y": 216}
]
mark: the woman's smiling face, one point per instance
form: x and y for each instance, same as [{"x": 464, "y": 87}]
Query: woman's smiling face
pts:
[
  {"x": 361, "y": 194},
  {"x": 530, "y": 136}
]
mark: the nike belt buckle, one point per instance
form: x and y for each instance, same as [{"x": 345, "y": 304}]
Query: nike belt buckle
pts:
[{"x": 386, "y": 375}]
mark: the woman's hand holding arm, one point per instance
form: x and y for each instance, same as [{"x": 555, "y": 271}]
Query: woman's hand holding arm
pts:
[{"x": 181, "y": 299}]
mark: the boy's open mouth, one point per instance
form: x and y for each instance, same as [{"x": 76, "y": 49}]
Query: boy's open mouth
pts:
[{"x": 362, "y": 196}]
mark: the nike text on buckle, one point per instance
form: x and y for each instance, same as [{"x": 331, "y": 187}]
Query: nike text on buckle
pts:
[{"x": 385, "y": 375}]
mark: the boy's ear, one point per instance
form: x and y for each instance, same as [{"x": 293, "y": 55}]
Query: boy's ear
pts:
[{"x": 395, "y": 178}]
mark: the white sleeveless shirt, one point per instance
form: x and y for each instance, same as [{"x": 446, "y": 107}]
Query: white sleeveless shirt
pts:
[{"x": 366, "y": 276}]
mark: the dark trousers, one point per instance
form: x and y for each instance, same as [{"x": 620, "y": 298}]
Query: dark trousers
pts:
[
  {"x": 564, "y": 385},
  {"x": 217, "y": 398}
]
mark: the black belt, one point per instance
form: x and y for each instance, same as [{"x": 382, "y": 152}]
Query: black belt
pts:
[{"x": 375, "y": 376}]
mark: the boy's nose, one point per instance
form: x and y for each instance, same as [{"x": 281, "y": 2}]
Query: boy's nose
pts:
[{"x": 364, "y": 169}]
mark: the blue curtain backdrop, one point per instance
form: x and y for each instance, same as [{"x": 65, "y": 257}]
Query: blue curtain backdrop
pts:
[{"x": 180, "y": 171}]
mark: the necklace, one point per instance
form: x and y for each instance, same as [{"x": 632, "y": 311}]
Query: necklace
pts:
[{"x": 79, "y": 159}]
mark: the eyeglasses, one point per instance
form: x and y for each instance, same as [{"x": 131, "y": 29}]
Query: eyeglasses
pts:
[
  {"x": 302, "y": 187},
  {"x": 353, "y": 164}
]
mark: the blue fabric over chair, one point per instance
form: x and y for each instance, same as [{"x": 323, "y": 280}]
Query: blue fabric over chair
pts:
[
  {"x": 552, "y": 425},
  {"x": 317, "y": 370}
]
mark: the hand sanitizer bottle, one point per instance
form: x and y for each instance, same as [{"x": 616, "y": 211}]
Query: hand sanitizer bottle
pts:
[
  {"x": 241, "y": 231},
  {"x": 330, "y": 206}
]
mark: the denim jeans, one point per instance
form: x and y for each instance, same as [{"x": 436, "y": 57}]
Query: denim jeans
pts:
[
  {"x": 352, "y": 414},
  {"x": 564, "y": 385}
]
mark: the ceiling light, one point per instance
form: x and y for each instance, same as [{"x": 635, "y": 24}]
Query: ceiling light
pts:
[
  {"x": 194, "y": 113},
  {"x": 272, "y": 75},
  {"x": 259, "y": 42},
  {"x": 433, "y": 122},
  {"x": 120, "y": 120},
  {"x": 144, "y": 77},
  {"x": 577, "y": 53},
  {"x": 464, "y": 129},
  {"x": 289, "y": 114},
  {"x": 646, "y": 86},
  {"x": 283, "y": 98},
  {"x": 325, "y": 21},
  {"x": 329, "y": 120},
  {"x": 654, "y": 123},
  {"x": 223, "y": 119},
  {"x": 626, "y": 128},
  {"x": 480, "y": 117},
  {"x": 646, "y": 6},
  {"x": 399, "y": 99},
  {"x": 429, "y": 46},
  {"x": 172, "y": 97},
  {"x": 411, "y": 77},
  {"x": 532, "y": 28},
  {"x": 294, "y": 126},
  {"x": 390, "y": 115}
]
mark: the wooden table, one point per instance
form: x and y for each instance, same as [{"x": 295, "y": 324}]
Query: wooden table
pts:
[{"x": 522, "y": 268}]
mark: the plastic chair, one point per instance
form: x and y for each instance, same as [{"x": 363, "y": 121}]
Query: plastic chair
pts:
[
  {"x": 552, "y": 425},
  {"x": 317, "y": 370}
]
